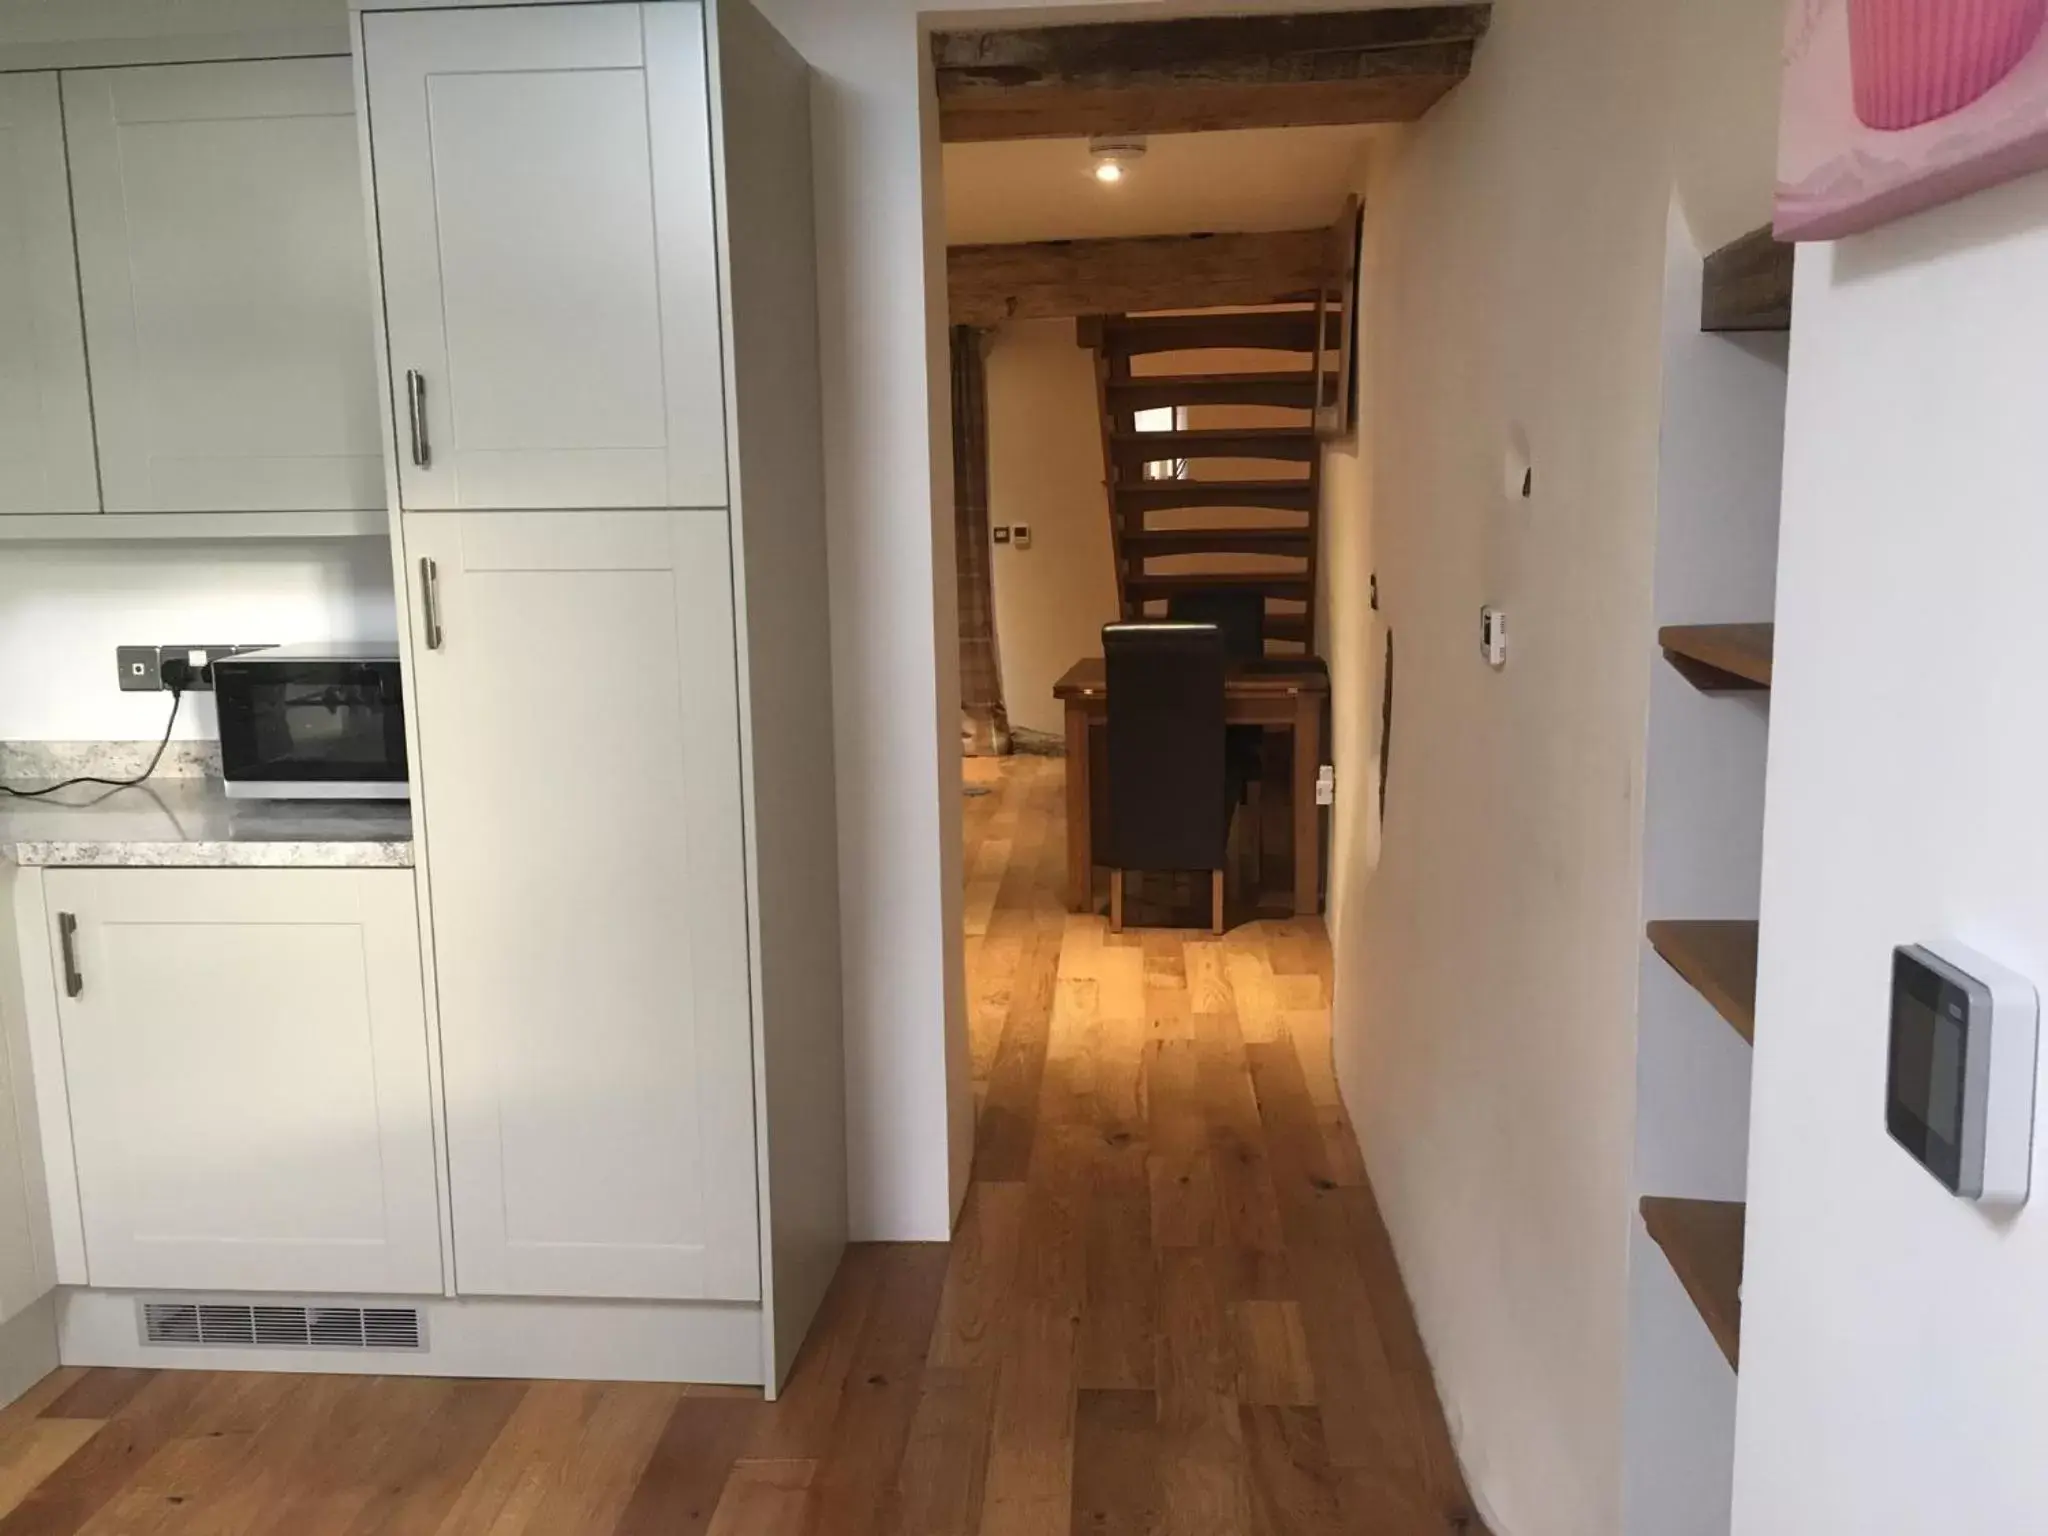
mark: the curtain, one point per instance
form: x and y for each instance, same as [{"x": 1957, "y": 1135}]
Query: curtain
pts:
[{"x": 984, "y": 724}]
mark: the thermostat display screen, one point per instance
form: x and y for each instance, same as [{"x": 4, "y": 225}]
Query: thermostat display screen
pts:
[
  {"x": 1930, "y": 1050},
  {"x": 1964, "y": 1056},
  {"x": 1929, "y": 1043}
]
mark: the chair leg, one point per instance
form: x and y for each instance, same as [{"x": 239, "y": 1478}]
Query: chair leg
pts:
[
  {"x": 1116, "y": 901},
  {"x": 1216, "y": 901}
]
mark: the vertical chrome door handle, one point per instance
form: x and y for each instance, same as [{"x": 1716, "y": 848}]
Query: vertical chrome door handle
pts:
[
  {"x": 416, "y": 409},
  {"x": 67, "y": 941},
  {"x": 430, "y": 601}
]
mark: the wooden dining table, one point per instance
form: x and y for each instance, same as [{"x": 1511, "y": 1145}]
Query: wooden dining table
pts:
[{"x": 1276, "y": 692}]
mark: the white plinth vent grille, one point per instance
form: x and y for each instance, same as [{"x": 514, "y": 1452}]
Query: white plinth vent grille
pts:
[{"x": 240, "y": 1325}]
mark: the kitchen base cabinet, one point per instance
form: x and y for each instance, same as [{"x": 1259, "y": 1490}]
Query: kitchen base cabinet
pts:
[
  {"x": 245, "y": 1053},
  {"x": 25, "y": 1266},
  {"x": 592, "y": 970}
]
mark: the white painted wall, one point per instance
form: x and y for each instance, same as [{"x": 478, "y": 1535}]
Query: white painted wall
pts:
[
  {"x": 895, "y": 622},
  {"x": 1486, "y": 984},
  {"x": 1488, "y": 937},
  {"x": 63, "y": 609},
  {"x": 1895, "y": 1342},
  {"x": 1045, "y": 471}
]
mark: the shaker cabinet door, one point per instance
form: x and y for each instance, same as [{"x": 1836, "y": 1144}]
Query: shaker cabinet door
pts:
[
  {"x": 226, "y": 270},
  {"x": 544, "y": 213},
  {"x": 578, "y": 788},
  {"x": 245, "y": 1052},
  {"x": 46, "y": 462}
]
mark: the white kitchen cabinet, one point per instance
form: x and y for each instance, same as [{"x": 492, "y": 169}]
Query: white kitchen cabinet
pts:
[
  {"x": 245, "y": 1053},
  {"x": 224, "y": 262},
  {"x": 46, "y": 451},
  {"x": 545, "y": 217},
  {"x": 578, "y": 780},
  {"x": 23, "y": 1280}
]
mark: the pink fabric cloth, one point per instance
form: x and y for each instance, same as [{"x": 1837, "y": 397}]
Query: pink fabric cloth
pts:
[{"x": 1913, "y": 61}]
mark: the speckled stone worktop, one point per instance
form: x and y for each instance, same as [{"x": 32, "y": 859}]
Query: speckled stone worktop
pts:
[{"x": 182, "y": 818}]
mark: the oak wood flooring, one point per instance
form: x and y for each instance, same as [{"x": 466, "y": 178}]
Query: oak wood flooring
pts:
[{"x": 1170, "y": 1310}]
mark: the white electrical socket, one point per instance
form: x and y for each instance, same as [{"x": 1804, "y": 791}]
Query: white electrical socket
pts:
[{"x": 1493, "y": 635}]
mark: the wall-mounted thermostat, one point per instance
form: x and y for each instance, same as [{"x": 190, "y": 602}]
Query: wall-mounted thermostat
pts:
[
  {"x": 1493, "y": 636},
  {"x": 1960, "y": 1090}
]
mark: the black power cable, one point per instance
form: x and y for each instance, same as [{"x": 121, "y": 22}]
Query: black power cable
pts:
[{"x": 177, "y": 698}]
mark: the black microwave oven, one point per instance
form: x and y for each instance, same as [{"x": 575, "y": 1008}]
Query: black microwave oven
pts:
[{"x": 312, "y": 722}]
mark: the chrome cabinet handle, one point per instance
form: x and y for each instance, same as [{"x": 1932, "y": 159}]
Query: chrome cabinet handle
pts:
[
  {"x": 416, "y": 407},
  {"x": 67, "y": 941},
  {"x": 430, "y": 601}
]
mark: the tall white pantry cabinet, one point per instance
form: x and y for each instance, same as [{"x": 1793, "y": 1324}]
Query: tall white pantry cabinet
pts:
[
  {"x": 596, "y": 268},
  {"x": 533, "y": 285}
]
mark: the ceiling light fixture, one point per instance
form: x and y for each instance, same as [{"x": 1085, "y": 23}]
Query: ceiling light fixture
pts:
[{"x": 1113, "y": 157}]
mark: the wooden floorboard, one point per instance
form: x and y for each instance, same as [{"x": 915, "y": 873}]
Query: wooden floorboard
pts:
[{"x": 1171, "y": 1309}]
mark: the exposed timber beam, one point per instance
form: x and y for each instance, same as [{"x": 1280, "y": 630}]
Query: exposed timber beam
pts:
[
  {"x": 1051, "y": 279},
  {"x": 1196, "y": 74}
]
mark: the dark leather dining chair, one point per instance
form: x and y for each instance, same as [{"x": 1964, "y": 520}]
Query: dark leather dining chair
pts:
[
  {"x": 1241, "y": 615},
  {"x": 1170, "y": 790}
]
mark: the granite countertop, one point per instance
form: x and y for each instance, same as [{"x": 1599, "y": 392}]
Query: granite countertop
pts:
[{"x": 183, "y": 818}]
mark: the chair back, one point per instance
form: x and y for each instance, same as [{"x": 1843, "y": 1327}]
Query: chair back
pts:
[
  {"x": 1240, "y": 614},
  {"x": 1169, "y": 799}
]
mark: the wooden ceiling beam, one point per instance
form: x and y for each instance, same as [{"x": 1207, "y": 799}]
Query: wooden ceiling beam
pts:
[
  {"x": 1198, "y": 74},
  {"x": 1051, "y": 279}
]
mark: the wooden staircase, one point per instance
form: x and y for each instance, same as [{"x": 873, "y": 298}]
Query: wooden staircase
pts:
[{"x": 1234, "y": 495}]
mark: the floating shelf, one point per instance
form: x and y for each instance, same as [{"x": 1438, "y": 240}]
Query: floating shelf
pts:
[
  {"x": 1748, "y": 286},
  {"x": 1717, "y": 958},
  {"x": 1720, "y": 658},
  {"x": 80, "y": 527},
  {"x": 1703, "y": 1241}
]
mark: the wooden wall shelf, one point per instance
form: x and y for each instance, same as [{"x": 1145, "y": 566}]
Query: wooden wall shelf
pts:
[
  {"x": 1720, "y": 658},
  {"x": 1703, "y": 1241},
  {"x": 1748, "y": 286},
  {"x": 1717, "y": 958}
]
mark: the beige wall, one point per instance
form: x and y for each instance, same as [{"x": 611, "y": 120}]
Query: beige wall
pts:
[
  {"x": 1045, "y": 470},
  {"x": 1487, "y": 938}
]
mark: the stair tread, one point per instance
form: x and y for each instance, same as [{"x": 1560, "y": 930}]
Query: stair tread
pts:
[
  {"x": 1267, "y": 579},
  {"x": 1135, "y": 497},
  {"x": 1216, "y": 435},
  {"x": 1279, "y": 389},
  {"x": 1239, "y": 535},
  {"x": 1299, "y": 483},
  {"x": 1287, "y": 330},
  {"x": 1241, "y": 376}
]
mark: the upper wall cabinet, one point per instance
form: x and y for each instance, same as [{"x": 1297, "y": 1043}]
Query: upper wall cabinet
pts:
[
  {"x": 225, "y": 267},
  {"x": 45, "y": 417},
  {"x": 543, "y": 189}
]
